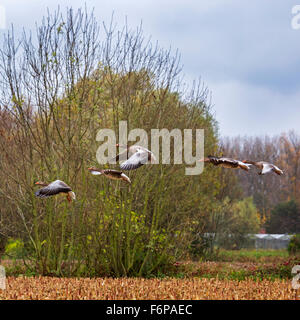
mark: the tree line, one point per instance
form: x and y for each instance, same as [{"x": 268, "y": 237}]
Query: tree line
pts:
[{"x": 270, "y": 192}]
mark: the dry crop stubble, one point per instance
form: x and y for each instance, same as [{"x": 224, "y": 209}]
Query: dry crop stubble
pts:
[{"x": 43, "y": 288}]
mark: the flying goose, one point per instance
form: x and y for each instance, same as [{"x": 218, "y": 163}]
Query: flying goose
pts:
[
  {"x": 136, "y": 157},
  {"x": 226, "y": 162},
  {"x": 54, "y": 188},
  {"x": 109, "y": 173},
  {"x": 265, "y": 167}
]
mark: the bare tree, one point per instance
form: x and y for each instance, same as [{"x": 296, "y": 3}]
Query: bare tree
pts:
[{"x": 59, "y": 86}]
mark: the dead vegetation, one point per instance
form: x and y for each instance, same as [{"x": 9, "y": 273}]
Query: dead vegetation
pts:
[{"x": 44, "y": 288}]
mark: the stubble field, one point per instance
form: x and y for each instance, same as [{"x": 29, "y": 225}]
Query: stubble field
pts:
[
  {"x": 44, "y": 288},
  {"x": 242, "y": 275}
]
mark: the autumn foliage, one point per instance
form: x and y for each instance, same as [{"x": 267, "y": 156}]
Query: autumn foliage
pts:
[
  {"x": 62, "y": 84},
  {"x": 270, "y": 190}
]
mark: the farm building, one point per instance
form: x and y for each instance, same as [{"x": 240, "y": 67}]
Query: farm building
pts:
[
  {"x": 271, "y": 241},
  {"x": 257, "y": 241}
]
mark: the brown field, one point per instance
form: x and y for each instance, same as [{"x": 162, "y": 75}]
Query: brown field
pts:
[{"x": 43, "y": 288}]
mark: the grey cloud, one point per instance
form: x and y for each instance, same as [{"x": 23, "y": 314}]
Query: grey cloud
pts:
[{"x": 246, "y": 52}]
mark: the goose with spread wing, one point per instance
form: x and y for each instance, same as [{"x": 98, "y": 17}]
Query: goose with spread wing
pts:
[
  {"x": 109, "y": 173},
  {"x": 226, "y": 162},
  {"x": 264, "y": 167},
  {"x": 136, "y": 157},
  {"x": 53, "y": 188}
]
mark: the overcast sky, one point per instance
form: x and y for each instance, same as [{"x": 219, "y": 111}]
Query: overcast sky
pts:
[{"x": 247, "y": 53}]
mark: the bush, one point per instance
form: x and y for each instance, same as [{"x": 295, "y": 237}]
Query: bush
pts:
[
  {"x": 14, "y": 248},
  {"x": 294, "y": 245},
  {"x": 285, "y": 218},
  {"x": 111, "y": 229},
  {"x": 203, "y": 246}
]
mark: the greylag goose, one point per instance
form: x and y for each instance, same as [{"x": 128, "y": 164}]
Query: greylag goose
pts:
[
  {"x": 137, "y": 156},
  {"x": 109, "y": 173},
  {"x": 264, "y": 167},
  {"x": 54, "y": 188},
  {"x": 226, "y": 162}
]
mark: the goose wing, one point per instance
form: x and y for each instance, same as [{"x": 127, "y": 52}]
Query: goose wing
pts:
[
  {"x": 113, "y": 174},
  {"x": 53, "y": 188},
  {"x": 112, "y": 171},
  {"x": 219, "y": 160},
  {"x": 277, "y": 170},
  {"x": 245, "y": 166},
  {"x": 116, "y": 175},
  {"x": 138, "y": 159},
  {"x": 230, "y": 163},
  {"x": 267, "y": 167},
  {"x": 124, "y": 177},
  {"x": 227, "y": 160}
]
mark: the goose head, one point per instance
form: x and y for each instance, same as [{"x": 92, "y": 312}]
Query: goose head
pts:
[
  {"x": 41, "y": 183},
  {"x": 93, "y": 169},
  {"x": 206, "y": 159}
]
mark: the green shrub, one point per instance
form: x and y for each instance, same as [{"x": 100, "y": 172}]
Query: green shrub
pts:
[
  {"x": 284, "y": 218},
  {"x": 14, "y": 248},
  {"x": 294, "y": 245},
  {"x": 203, "y": 246}
]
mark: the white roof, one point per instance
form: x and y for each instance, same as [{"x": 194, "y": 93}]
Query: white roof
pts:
[
  {"x": 267, "y": 236},
  {"x": 270, "y": 236}
]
